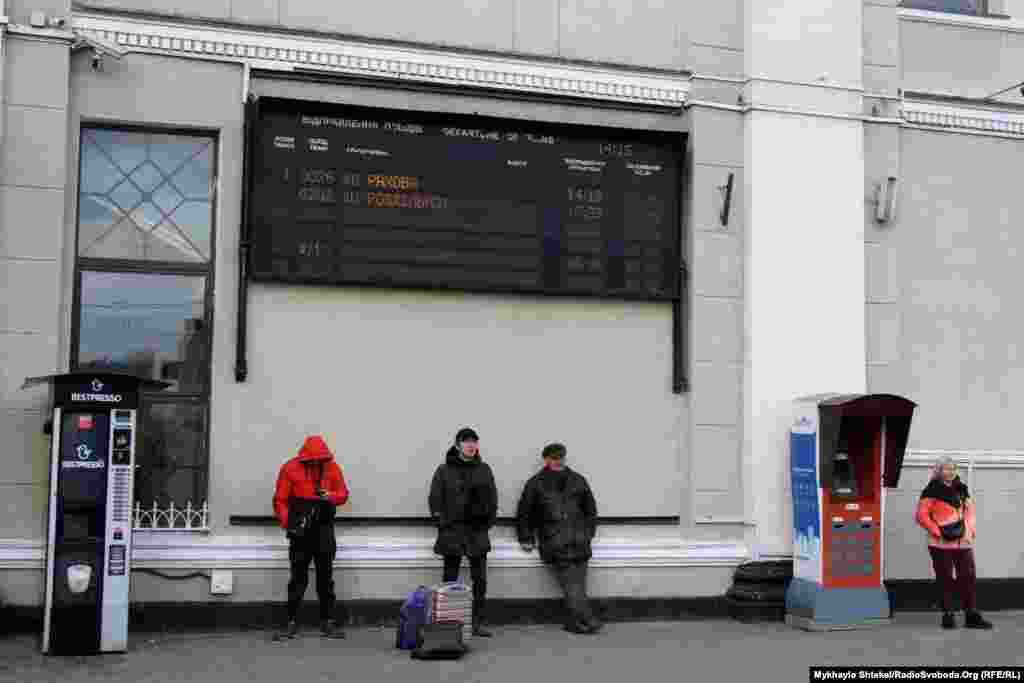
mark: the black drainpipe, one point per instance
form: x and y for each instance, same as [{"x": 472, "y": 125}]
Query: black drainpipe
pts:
[
  {"x": 680, "y": 311},
  {"x": 241, "y": 365}
]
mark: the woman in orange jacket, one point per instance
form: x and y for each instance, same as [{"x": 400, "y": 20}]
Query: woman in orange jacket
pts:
[{"x": 946, "y": 512}]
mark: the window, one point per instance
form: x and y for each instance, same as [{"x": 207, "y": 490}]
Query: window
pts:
[
  {"x": 144, "y": 279},
  {"x": 979, "y": 7}
]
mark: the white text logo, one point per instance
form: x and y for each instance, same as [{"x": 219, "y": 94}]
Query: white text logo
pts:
[{"x": 83, "y": 465}]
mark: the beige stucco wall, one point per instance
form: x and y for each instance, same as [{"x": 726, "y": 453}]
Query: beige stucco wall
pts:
[{"x": 920, "y": 310}]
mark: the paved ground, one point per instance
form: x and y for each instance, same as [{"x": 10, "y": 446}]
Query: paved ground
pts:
[{"x": 625, "y": 653}]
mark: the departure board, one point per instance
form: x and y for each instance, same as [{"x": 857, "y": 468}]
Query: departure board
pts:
[{"x": 343, "y": 195}]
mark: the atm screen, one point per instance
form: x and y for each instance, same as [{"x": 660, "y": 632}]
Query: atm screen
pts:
[{"x": 844, "y": 479}]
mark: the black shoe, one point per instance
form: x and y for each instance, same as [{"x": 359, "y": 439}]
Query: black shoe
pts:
[
  {"x": 576, "y": 627},
  {"x": 329, "y": 629},
  {"x": 479, "y": 630},
  {"x": 288, "y": 632},
  {"x": 975, "y": 620},
  {"x": 593, "y": 625},
  {"x": 948, "y": 620}
]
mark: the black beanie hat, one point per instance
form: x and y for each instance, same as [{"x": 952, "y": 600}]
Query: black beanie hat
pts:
[
  {"x": 466, "y": 434},
  {"x": 553, "y": 450}
]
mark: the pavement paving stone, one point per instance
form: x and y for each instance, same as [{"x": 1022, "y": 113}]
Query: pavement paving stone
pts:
[{"x": 637, "y": 652}]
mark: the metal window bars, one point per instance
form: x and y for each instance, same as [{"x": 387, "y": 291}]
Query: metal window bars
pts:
[{"x": 171, "y": 518}]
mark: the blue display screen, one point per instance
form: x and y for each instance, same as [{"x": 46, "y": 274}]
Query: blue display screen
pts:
[{"x": 804, "y": 480}]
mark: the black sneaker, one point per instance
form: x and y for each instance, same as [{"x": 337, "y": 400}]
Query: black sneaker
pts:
[
  {"x": 948, "y": 620},
  {"x": 576, "y": 627},
  {"x": 479, "y": 630},
  {"x": 329, "y": 629},
  {"x": 593, "y": 625},
  {"x": 975, "y": 620},
  {"x": 288, "y": 632}
]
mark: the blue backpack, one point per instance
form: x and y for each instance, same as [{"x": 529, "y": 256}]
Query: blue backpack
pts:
[{"x": 411, "y": 616}]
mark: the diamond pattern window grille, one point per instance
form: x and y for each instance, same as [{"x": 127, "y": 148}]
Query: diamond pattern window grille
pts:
[{"x": 145, "y": 196}]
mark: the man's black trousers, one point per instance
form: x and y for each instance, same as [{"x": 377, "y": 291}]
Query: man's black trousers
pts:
[
  {"x": 572, "y": 578},
  {"x": 319, "y": 552},
  {"x": 478, "y": 574}
]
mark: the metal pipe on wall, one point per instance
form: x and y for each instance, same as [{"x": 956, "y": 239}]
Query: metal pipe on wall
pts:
[{"x": 241, "y": 363}]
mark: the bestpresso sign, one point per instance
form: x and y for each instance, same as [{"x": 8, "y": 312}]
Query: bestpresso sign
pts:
[
  {"x": 105, "y": 390},
  {"x": 96, "y": 398},
  {"x": 80, "y": 465}
]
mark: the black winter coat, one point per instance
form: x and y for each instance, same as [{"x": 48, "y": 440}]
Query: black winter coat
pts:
[
  {"x": 562, "y": 512},
  {"x": 464, "y": 501}
]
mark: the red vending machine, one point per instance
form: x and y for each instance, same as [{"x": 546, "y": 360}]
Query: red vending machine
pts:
[{"x": 844, "y": 451}]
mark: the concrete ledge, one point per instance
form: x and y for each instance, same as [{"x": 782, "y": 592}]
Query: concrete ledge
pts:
[{"x": 184, "y": 551}]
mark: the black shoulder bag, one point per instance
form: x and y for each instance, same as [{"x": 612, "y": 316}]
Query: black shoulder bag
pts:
[
  {"x": 954, "y": 531},
  {"x": 302, "y": 513}
]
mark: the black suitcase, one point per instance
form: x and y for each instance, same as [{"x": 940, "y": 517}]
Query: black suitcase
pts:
[{"x": 439, "y": 641}]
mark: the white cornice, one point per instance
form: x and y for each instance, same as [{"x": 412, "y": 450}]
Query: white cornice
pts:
[
  {"x": 278, "y": 51},
  {"x": 964, "y": 118},
  {"x": 978, "y": 459},
  {"x": 962, "y": 20},
  {"x": 946, "y": 116},
  {"x": 48, "y": 35},
  {"x": 154, "y": 551}
]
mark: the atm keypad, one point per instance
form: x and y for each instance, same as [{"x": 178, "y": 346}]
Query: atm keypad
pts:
[{"x": 851, "y": 547}]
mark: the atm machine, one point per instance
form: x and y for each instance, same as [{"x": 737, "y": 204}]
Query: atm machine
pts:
[
  {"x": 89, "y": 535},
  {"x": 844, "y": 451}
]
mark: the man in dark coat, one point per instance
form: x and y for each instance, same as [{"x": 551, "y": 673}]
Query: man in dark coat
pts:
[
  {"x": 558, "y": 506},
  {"x": 464, "y": 503}
]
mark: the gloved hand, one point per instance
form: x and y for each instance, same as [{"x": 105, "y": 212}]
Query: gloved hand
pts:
[{"x": 527, "y": 547}]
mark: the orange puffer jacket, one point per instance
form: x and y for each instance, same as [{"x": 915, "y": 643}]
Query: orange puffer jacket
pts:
[
  {"x": 299, "y": 478},
  {"x": 943, "y": 504}
]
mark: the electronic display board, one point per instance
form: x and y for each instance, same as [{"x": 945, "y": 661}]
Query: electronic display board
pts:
[{"x": 345, "y": 195}]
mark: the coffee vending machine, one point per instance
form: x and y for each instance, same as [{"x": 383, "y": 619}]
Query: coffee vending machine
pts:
[{"x": 89, "y": 534}]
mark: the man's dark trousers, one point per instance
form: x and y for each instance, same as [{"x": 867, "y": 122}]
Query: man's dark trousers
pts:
[
  {"x": 477, "y": 573},
  {"x": 302, "y": 552},
  {"x": 572, "y": 577}
]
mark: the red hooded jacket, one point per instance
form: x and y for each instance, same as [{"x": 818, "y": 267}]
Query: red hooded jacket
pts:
[{"x": 298, "y": 478}]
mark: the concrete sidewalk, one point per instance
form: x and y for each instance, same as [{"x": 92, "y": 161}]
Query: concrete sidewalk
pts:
[{"x": 725, "y": 651}]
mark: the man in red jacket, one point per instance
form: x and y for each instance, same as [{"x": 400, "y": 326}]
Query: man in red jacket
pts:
[{"x": 309, "y": 488}]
